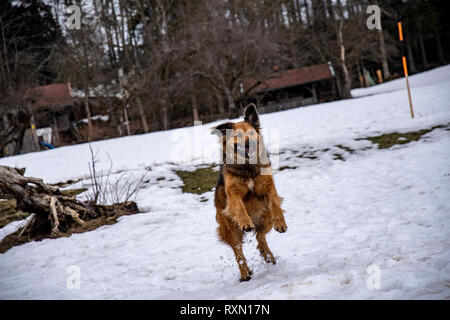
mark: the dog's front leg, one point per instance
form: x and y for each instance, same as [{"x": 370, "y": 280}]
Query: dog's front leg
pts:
[
  {"x": 236, "y": 210},
  {"x": 274, "y": 203}
]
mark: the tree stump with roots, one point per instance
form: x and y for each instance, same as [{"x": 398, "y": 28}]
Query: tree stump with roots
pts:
[{"x": 54, "y": 212}]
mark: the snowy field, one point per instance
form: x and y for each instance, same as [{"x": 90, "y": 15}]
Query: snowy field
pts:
[{"x": 349, "y": 206}]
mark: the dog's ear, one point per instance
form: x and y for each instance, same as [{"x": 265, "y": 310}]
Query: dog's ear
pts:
[
  {"x": 251, "y": 115},
  {"x": 221, "y": 129}
]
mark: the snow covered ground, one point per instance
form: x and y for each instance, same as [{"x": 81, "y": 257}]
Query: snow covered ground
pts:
[{"x": 383, "y": 209}]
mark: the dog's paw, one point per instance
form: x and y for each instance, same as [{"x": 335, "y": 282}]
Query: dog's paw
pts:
[
  {"x": 247, "y": 276},
  {"x": 269, "y": 258},
  {"x": 280, "y": 225},
  {"x": 246, "y": 225}
]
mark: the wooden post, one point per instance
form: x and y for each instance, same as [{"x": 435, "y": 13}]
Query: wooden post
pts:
[
  {"x": 34, "y": 137},
  {"x": 405, "y": 68},
  {"x": 380, "y": 76}
]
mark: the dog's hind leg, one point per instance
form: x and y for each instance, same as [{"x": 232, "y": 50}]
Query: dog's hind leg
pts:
[
  {"x": 262, "y": 228},
  {"x": 263, "y": 248},
  {"x": 246, "y": 273},
  {"x": 230, "y": 234}
]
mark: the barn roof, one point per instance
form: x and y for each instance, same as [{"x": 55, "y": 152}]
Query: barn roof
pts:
[
  {"x": 53, "y": 95},
  {"x": 293, "y": 77}
]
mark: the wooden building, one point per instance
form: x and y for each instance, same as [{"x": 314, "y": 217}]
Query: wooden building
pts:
[
  {"x": 53, "y": 108},
  {"x": 295, "y": 87}
]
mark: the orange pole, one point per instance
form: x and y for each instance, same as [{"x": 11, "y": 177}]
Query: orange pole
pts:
[
  {"x": 405, "y": 70},
  {"x": 400, "y": 31},
  {"x": 405, "y": 66}
]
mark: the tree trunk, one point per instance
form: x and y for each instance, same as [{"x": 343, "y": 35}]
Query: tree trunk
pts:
[
  {"x": 86, "y": 87},
  {"x": 229, "y": 96},
  {"x": 165, "y": 115},
  {"x": 109, "y": 39},
  {"x": 116, "y": 28},
  {"x": 422, "y": 49},
  {"x": 209, "y": 101},
  {"x": 127, "y": 122},
  {"x": 112, "y": 116},
  {"x": 347, "y": 81},
  {"x": 411, "y": 62},
  {"x": 6, "y": 63},
  {"x": 142, "y": 114},
  {"x": 155, "y": 122},
  {"x": 125, "y": 46},
  {"x": 220, "y": 105},
  {"x": 194, "y": 108},
  {"x": 230, "y": 100},
  {"x": 88, "y": 110},
  {"x": 384, "y": 60},
  {"x": 330, "y": 11},
  {"x": 439, "y": 50},
  {"x": 308, "y": 18},
  {"x": 362, "y": 83}
]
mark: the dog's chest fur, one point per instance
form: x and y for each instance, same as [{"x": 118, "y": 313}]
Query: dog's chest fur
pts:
[
  {"x": 254, "y": 204},
  {"x": 250, "y": 184}
]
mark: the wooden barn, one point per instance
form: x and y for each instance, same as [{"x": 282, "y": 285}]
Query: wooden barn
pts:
[
  {"x": 53, "y": 108},
  {"x": 295, "y": 87}
]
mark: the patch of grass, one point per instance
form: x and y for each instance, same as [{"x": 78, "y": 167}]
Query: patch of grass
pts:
[
  {"x": 388, "y": 140},
  {"x": 286, "y": 167},
  {"x": 338, "y": 156},
  {"x": 160, "y": 178},
  {"x": 9, "y": 213},
  {"x": 307, "y": 155},
  {"x": 348, "y": 149},
  {"x": 198, "y": 181}
]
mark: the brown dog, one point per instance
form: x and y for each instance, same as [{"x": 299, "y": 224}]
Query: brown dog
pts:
[{"x": 246, "y": 198}]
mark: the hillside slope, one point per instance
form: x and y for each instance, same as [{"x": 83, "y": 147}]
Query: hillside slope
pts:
[{"x": 349, "y": 205}]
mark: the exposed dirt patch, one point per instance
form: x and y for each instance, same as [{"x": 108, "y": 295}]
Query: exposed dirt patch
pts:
[{"x": 198, "y": 181}]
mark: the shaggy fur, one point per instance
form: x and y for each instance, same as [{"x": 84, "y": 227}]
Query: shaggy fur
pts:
[{"x": 245, "y": 199}]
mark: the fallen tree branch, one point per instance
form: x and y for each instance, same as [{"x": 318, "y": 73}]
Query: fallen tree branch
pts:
[
  {"x": 54, "y": 215},
  {"x": 74, "y": 215},
  {"x": 29, "y": 222}
]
